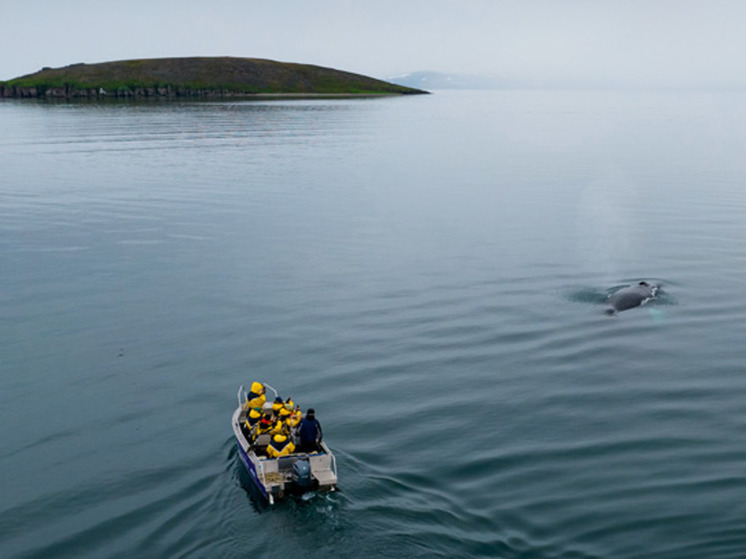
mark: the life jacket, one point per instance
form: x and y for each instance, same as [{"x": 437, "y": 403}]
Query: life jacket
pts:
[
  {"x": 279, "y": 428},
  {"x": 265, "y": 425},
  {"x": 277, "y": 405},
  {"x": 255, "y": 398},
  {"x": 252, "y": 418},
  {"x": 295, "y": 418},
  {"x": 279, "y": 448},
  {"x": 255, "y": 401}
]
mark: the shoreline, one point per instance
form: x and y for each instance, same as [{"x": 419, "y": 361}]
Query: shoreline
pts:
[
  {"x": 198, "y": 97},
  {"x": 169, "y": 92}
]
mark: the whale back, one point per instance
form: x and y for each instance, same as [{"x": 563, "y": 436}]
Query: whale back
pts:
[{"x": 631, "y": 296}]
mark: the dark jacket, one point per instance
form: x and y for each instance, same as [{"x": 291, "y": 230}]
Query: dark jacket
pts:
[{"x": 310, "y": 430}]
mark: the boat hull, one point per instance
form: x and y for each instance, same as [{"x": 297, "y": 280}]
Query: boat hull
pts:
[{"x": 251, "y": 470}]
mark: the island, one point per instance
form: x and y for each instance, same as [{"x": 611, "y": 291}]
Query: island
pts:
[{"x": 195, "y": 77}]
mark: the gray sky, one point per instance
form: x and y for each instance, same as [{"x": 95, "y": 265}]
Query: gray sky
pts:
[{"x": 650, "y": 41}]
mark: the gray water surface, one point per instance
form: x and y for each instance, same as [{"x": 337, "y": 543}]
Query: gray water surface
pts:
[{"x": 427, "y": 273}]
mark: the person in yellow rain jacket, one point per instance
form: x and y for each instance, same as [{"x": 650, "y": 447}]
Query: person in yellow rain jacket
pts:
[
  {"x": 256, "y": 398},
  {"x": 280, "y": 446},
  {"x": 266, "y": 424},
  {"x": 295, "y": 416},
  {"x": 280, "y": 427},
  {"x": 284, "y": 420},
  {"x": 277, "y": 406},
  {"x": 252, "y": 418}
]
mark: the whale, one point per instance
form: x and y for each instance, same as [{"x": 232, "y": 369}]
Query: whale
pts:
[{"x": 630, "y": 297}]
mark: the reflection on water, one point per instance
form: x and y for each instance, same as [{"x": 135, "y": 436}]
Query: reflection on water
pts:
[{"x": 428, "y": 273}]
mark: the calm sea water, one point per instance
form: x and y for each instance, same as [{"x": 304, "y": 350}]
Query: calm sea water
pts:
[{"x": 427, "y": 272}]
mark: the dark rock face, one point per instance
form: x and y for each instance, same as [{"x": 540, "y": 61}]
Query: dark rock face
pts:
[
  {"x": 163, "y": 92},
  {"x": 68, "y": 92}
]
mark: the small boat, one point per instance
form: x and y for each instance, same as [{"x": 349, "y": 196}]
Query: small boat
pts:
[{"x": 297, "y": 473}]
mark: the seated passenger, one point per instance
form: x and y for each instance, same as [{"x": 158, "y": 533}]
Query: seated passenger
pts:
[
  {"x": 256, "y": 398},
  {"x": 266, "y": 424},
  {"x": 284, "y": 421},
  {"x": 280, "y": 445},
  {"x": 277, "y": 406},
  {"x": 252, "y": 418},
  {"x": 295, "y": 417},
  {"x": 280, "y": 427}
]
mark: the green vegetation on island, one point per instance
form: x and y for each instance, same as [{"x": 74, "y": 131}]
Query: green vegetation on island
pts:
[{"x": 194, "y": 77}]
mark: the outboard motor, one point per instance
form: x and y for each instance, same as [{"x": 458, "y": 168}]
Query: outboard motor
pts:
[{"x": 302, "y": 473}]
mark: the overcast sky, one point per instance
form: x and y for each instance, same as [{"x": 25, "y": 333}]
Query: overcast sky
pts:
[{"x": 656, "y": 41}]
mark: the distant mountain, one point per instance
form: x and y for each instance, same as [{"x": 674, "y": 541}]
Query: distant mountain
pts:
[
  {"x": 194, "y": 77},
  {"x": 438, "y": 80}
]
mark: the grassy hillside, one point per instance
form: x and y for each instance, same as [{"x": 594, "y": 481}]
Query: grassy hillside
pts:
[{"x": 185, "y": 76}]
